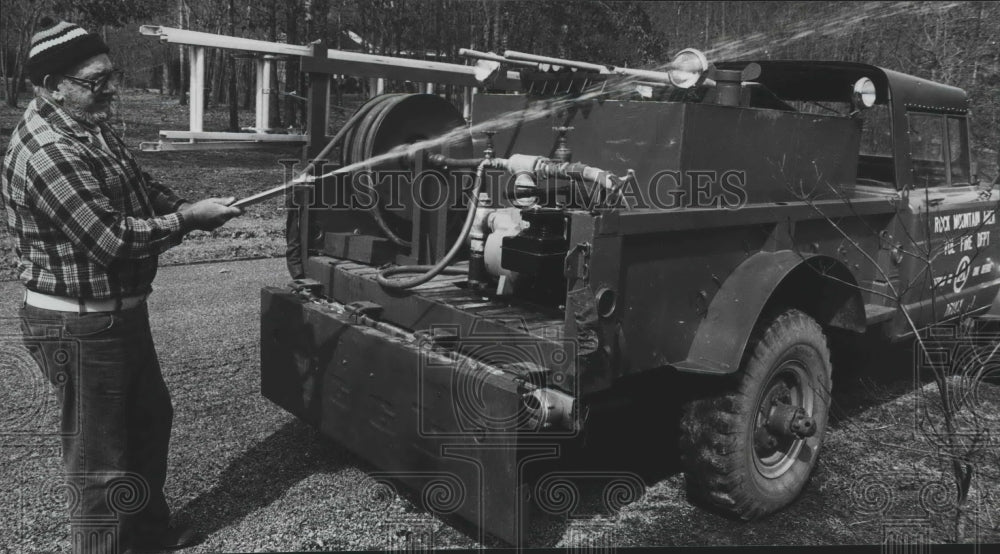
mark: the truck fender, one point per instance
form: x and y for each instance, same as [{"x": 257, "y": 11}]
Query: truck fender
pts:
[{"x": 820, "y": 285}]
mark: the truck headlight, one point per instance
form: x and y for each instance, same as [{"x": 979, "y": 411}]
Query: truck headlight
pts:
[
  {"x": 864, "y": 93},
  {"x": 686, "y": 68}
]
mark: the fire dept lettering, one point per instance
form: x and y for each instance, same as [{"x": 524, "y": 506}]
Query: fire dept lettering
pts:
[
  {"x": 963, "y": 273},
  {"x": 966, "y": 243},
  {"x": 965, "y": 220}
]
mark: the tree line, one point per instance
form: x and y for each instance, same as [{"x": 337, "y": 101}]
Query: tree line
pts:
[{"x": 957, "y": 43}]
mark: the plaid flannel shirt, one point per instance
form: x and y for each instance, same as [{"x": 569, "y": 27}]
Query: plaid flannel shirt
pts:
[{"x": 87, "y": 223}]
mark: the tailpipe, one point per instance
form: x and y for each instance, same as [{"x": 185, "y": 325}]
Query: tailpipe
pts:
[{"x": 551, "y": 408}]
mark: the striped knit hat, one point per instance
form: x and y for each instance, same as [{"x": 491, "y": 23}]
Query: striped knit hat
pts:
[{"x": 59, "y": 46}]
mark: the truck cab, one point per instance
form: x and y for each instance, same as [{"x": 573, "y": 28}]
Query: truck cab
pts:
[{"x": 935, "y": 257}]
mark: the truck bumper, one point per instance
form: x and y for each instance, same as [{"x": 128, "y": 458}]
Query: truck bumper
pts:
[{"x": 453, "y": 431}]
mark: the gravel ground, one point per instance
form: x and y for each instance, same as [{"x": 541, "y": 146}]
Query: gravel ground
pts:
[{"x": 253, "y": 478}]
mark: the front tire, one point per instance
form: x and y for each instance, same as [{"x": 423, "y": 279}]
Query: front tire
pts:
[{"x": 749, "y": 449}]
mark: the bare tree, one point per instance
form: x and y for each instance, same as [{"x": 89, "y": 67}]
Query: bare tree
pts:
[
  {"x": 946, "y": 419},
  {"x": 20, "y": 19}
]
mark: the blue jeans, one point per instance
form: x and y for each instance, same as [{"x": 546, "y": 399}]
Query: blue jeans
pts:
[{"x": 116, "y": 419}]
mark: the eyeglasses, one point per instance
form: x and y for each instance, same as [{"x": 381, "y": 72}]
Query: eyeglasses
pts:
[{"x": 114, "y": 77}]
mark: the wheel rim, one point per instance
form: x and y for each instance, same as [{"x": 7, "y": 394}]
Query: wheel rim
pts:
[{"x": 789, "y": 384}]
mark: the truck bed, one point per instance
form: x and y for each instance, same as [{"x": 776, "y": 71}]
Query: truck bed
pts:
[{"x": 443, "y": 301}]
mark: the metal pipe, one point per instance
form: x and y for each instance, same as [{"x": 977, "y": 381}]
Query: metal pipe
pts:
[
  {"x": 644, "y": 74},
  {"x": 196, "y": 38},
  {"x": 523, "y": 56},
  {"x": 271, "y": 193},
  {"x": 469, "y": 53},
  {"x": 661, "y": 77},
  {"x": 444, "y": 162},
  {"x": 477, "y": 241},
  {"x": 304, "y": 176},
  {"x": 196, "y": 92},
  {"x": 552, "y": 408},
  {"x": 263, "y": 105},
  {"x": 521, "y": 164}
]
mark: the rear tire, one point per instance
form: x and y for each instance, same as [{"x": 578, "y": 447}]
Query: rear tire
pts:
[{"x": 735, "y": 460}]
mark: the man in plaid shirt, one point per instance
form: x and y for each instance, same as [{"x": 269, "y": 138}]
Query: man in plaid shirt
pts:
[{"x": 88, "y": 226}]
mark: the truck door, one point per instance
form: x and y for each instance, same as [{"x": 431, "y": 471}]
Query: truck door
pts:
[{"x": 948, "y": 232}]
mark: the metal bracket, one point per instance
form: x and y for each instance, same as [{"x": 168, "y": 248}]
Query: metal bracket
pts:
[
  {"x": 578, "y": 261},
  {"x": 440, "y": 336},
  {"x": 311, "y": 286},
  {"x": 363, "y": 308}
]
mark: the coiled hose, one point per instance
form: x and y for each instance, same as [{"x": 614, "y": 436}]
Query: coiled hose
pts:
[
  {"x": 338, "y": 138},
  {"x": 358, "y": 147},
  {"x": 431, "y": 271}
]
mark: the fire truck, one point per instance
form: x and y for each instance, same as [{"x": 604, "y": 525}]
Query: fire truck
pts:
[{"x": 468, "y": 292}]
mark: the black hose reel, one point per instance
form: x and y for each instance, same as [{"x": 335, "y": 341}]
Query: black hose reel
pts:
[
  {"x": 389, "y": 122},
  {"x": 346, "y": 221}
]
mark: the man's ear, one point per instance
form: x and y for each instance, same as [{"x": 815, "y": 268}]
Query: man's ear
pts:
[{"x": 51, "y": 84}]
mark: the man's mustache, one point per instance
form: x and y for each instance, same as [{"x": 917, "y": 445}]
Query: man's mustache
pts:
[{"x": 103, "y": 103}]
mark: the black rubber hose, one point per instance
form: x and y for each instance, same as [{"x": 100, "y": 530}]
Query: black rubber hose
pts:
[
  {"x": 369, "y": 150},
  {"x": 361, "y": 145},
  {"x": 293, "y": 250},
  {"x": 431, "y": 271},
  {"x": 357, "y": 132},
  {"x": 346, "y": 128}
]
